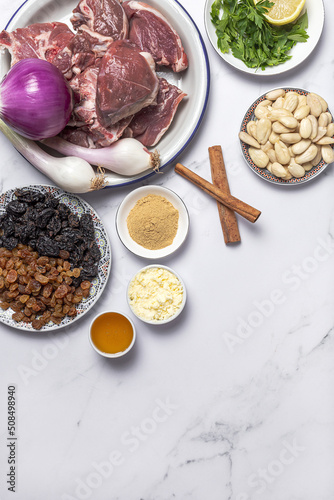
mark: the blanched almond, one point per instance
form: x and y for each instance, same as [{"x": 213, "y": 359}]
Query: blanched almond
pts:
[
  {"x": 261, "y": 111},
  {"x": 278, "y": 128},
  {"x": 325, "y": 140},
  {"x": 327, "y": 154},
  {"x": 278, "y": 170},
  {"x": 248, "y": 139},
  {"x": 314, "y": 123},
  {"x": 259, "y": 157},
  {"x": 330, "y": 129},
  {"x": 251, "y": 128},
  {"x": 305, "y": 128},
  {"x": 278, "y": 104},
  {"x": 272, "y": 155},
  {"x": 317, "y": 158},
  {"x": 296, "y": 170},
  {"x": 282, "y": 153},
  {"x": 323, "y": 120},
  {"x": 315, "y": 105},
  {"x": 302, "y": 112},
  {"x": 291, "y": 138},
  {"x": 273, "y": 137},
  {"x": 308, "y": 155},
  {"x": 321, "y": 132},
  {"x": 275, "y": 94},
  {"x": 288, "y": 121},
  {"x": 276, "y": 114},
  {"x": 265, "y": 147},
  {"x": 301, "y": 100},
  {"x": 308, "y": 166},
  {"x": 263, "y": 130},
  {"x": 290, "y": 102},
  {"x": 323, "y": 103},
  {"x": 301, "y": 146}
]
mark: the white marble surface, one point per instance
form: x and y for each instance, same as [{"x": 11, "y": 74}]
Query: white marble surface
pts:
[{"x": 233, "y": 401}]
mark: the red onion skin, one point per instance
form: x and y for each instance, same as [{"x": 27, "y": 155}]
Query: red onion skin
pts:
[{"x": 35, "y": 99}]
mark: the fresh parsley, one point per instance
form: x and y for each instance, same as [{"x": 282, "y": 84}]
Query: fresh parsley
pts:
[{"x": 242, "y": 28}]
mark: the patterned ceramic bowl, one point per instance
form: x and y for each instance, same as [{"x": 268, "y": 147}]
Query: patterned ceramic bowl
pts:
[
  {"x": 77, "y": 206},
  {"x": 263, "y": 172}
]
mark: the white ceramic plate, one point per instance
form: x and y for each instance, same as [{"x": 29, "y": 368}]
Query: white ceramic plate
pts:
[
  {"x": 195, "y": 80},
  {"x": 77, "y": 206},
  {"x": 316, "y": 17},
  {"x": 263, "y": 172},
  {"x": 129, "y": 202}
]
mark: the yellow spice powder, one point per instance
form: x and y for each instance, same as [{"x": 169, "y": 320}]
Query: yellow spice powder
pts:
[{"x": 153, "y": 222}]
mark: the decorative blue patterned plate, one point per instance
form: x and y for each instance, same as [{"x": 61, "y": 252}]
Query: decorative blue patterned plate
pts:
[
  {"x": 79, "y": 207},
  {"x": 263, "y": 172}
]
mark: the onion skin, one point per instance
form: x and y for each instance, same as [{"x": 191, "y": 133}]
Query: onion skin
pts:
[{"x": 35, "y": 99}]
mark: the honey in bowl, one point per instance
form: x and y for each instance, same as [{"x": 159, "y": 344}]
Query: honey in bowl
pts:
[{"x": 112, "y": 334}]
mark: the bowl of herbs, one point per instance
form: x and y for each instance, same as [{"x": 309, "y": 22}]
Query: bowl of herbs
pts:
[{"x": 250, "y": 35}]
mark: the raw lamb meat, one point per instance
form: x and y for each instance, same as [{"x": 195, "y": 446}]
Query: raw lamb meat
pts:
[
  {"x": 115, "y": 86},
  {"x": 81, "y": 52},
  {"x": 106, "y": 17},
  {"x": 151, "y": 31},
  {"x": 149, "y": 125},
  {"x": 39, "y": 41},
  {"x": 84, "y": 127},
  {"x": 126, "y": 82}
]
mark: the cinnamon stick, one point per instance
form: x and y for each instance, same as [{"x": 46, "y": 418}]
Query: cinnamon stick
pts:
[
  {"x": 246, "y": 211},
  {"x": 228, "y": 219}
]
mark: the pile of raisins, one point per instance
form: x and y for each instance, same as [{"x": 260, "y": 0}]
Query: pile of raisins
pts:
[
  {"x": 38, "y": 289},
  {"x": 49, "y": 227}
]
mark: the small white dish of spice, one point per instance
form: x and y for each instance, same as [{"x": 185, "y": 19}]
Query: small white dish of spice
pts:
[
  {"x": 152, "y": 222},
  {"x": 156, "y": 294}
]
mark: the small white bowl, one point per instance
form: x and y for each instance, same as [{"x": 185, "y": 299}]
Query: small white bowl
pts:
[
  {"x": 179, "y": 310},
  {"x": 116, "y": 354},
  {"x": 127, "y": 205}
]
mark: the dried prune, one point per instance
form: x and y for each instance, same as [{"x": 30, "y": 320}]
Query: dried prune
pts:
[
  {"x": 47, "y": 246},
  {"x": 74, "y": 220},
  {"x": 93, "y": 253},
  {"x": 16, "y": 208},
  {"x": 9, "y": 243},
  {"x": 50, "y": 201},
  {"x": 89, "y": 272},
  {"x": 44, "y": 216},
  {"x": 29, "y": 196},
  {"x": 8, "y": 227},
  {"x": 54, "y": 226},
  {"x": 63, "y": 211},
  {"x": 87, "y": 226}
]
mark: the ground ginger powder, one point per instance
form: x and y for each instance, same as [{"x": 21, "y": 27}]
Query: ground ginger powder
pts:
[{"x": 153, "y": 222}]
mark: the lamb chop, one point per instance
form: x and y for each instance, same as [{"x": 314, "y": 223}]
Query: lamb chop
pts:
[
  {"x": 106, "y": 17},
  {"x": 84, "y": 127},
  {"x": 151, "y": 31},
  {"x": 150, "y": 124},
  {"x": 39, "y": 41},
  {"x": 126, "y": 82}
]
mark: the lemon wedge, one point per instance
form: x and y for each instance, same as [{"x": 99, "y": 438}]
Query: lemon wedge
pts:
[{"x": 284, "y": 11}]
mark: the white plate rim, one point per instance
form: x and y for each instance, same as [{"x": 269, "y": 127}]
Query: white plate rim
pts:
[
  {"x": 316, "y": 23},
  {"x": 133, "y": 197},
  {"x": 115, "y": 180},
  {"x": 104, "y": 265}
]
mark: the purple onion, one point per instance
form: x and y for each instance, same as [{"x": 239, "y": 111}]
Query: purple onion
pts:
[{"x": 35, "y": 99}]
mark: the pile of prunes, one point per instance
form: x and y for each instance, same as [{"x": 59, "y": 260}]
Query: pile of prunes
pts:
[{"x": 49, "y": 227}]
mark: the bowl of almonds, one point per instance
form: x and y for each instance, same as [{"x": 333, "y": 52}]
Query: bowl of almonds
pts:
[{"x": 287, "y": 136}]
